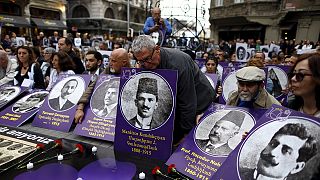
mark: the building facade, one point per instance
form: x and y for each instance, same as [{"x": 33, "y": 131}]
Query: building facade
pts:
[
  {"x": 28, "y": 17},
  {"x": 267, "y": 20},
  {"x": 106, "y": 17}
]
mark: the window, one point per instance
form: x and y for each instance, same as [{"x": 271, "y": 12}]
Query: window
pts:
[
  {"x": 80, "y": 12},
  {"x": 44, "y": 14},
  {"x": 109, "y": 13},
  {"x": 238, "y": 1},
  {"x": 219, "y": 3},
  {"x": 10, "y": 9}
]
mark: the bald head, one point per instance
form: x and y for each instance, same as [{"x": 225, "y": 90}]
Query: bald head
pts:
[
  {"x": 156, "y": 13},
  {"x": 3, "y": 59},
  {"x": 119, "y": 58}
]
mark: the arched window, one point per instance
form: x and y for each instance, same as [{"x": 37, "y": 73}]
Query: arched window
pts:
[
  {"x": 109, "y": 13},
  {"x": 80, "y": 12},
  {"x": 137, "y": 18}
]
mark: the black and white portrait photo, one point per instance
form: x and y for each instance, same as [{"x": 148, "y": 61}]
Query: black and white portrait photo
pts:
[
  {"x": 21, "y": 41},
  {"x": 286, "y": 149},
  {"x": 241, "y": 52},
  {"x": 277, "y": 81},
  {"x": 104, "y": 100},
  {"x": 8, "y": 93},
  {"x": 30, "y": 102},
  {"x": 229, "y": 85},
  {"x": 66, "y": 93},
  {"x": 146, "y": 101},
  {"x": 273, "y": 50},
  {"x": 220, "y": 132}
]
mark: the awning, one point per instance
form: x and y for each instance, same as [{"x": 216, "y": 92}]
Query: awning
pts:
[
  {"x": 14, "y": 21},
  {"x": 252, "y": 28},
  {"x": 49, "y": 24}
]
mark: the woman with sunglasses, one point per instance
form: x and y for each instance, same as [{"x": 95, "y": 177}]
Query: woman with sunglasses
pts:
[
  {"x": 28, "y": 71},
  {"x": 304, "y": 83}
]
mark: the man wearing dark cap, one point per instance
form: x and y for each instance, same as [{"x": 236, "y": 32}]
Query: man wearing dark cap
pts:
[
  {"x": 251, "y": 92},
  {"x": 146, "y": 102},
  {"x": 224, "y": 129}
]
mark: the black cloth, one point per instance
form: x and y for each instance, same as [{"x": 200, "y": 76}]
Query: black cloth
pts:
[
  {"x": 153, "y": 124},
  {"x": 37, "y": 77},
  {"x": 77, "y": 61},
  {"x": 194, "y": 92}
]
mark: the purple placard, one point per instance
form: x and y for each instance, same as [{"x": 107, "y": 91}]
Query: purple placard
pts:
[
  {"x": 138, "y": 88},
  {"x": 58, "y": 114},
  {"x": 200, "y": 62},
  {"x": 196, "y": 157},
  {"x": 8, "y": 93},
  {"x": 100, "y": 118},
  {"x": 273, "y": 146},
  {"x": 213, "y": 79},
  {"x": 277, "y": 82},
  {"x": 23, "y": 109}
]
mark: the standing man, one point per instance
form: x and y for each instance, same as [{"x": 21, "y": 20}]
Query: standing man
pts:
[
  {"x": 146, "y": 102},
  {"x": 62, "y": 102},
  {"x": 7, "y": 68},
  {"x": 194, "y": 92},
  {"x": 251, "y": 92},
  {"x": 224, "y": 129},
  {"x": 65, "y": 44},
  {"x": 156, "y": 23},
  {"x": 119, "y": 58},
  {"x": 287, "y": 153}
]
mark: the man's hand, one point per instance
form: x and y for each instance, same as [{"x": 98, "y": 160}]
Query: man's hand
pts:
[
  {"x": 161, "y": 21},
  {"x": 78, "y": 116}
]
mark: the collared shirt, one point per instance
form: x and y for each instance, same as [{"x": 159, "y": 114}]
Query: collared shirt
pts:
[
  {"x": 111, "y": 106},
  {"x": 143, "y": 123},
  {"x": 62, "y": 102},
  {"x": 213, "y": 146}
]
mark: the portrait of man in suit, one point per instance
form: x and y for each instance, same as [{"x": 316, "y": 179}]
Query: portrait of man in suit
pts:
[
  {"x": 223, "y": 130},
  {"x": 241, "y": 53},
  {"x": 146, "y": 102},
  {"x": 286, "y": 154},
  {"x": 62, "y": 103},
  {"x": 7, "y": 94},
  {"x": 33, "y": 102},
  {"x": 109, "y": 109}
]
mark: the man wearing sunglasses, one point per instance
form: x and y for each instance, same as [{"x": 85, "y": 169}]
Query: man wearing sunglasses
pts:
[
  {"x": 251, "y": 92},
  {"x": 194, "y": 92}
]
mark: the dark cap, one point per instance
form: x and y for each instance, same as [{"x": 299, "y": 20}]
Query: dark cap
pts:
[
  {"x": 236, "y": 117},
  {"x": 148, "y": 85}
]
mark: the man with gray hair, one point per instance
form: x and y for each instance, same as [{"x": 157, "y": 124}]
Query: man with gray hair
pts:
[
  {"x": 7, "y": 68},
  {"x": 194, "y": 92},
  {"x": 251, "y": 92}
]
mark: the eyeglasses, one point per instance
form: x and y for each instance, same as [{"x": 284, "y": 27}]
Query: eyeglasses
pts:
[
  {"x": 299, "y": 76},
  {"x": 147, "y": 59}
]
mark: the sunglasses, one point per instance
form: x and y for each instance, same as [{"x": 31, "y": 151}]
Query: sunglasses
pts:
[{"x": 299, "y": 76}]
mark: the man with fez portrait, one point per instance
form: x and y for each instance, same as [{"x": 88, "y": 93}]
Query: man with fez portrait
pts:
[
  {"x": 32, "y": 103},
  {"x": 62, "y": 102},
  {"x": 146, "y": 102},
  {"x": 223, "y": 130},
  {"x": 286, "y": 154},
  {"x": 110, "y": 101}
]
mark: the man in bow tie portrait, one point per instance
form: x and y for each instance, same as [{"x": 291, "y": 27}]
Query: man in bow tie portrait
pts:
[{"x": 223, "y": 130}]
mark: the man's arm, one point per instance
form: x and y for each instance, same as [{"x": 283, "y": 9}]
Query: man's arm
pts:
[
  {"x": 84, "y": 100},
  {"x": 148, "y": 26},
  {"x": 10, "y": 72}
]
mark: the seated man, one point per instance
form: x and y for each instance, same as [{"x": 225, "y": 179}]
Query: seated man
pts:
[
  {"x": 7, "y": 68},
  {"x": 251, "y": 92}
]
